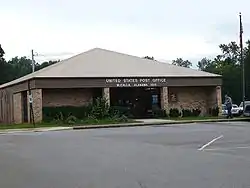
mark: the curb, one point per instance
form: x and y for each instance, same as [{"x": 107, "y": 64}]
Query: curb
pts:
[
  {"x": 139, "y": 124},
  {"x": 166, "y": 123},
  {"x": 11, "y": 131},
  {"x": 54, "y": 129}
]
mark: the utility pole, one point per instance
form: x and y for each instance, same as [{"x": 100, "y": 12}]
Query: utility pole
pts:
[
  {"x": 242, "y": 64},
  {"x": 33, "y": 61},
  {"x": 32, "y": 118},
  {"x": 30, "y": 93}
]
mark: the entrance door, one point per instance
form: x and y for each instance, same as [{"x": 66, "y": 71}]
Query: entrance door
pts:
[
  {"x": 139, "y": 101},
  {"x": 143, "y": 103},
  {"x": 25, "y": 107}
]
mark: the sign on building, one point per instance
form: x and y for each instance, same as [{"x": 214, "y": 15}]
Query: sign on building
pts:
[{"x": 136, "y": 82}]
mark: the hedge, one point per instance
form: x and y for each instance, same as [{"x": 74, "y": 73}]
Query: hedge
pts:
[
  {"x": 175, "y": 112},
  {"x": 50, "y": 113}
]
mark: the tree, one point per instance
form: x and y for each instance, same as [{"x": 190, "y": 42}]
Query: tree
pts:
[
  {"x": 20, "y": 67},
  {"x": 182, "y": 63},
  {"x": 228, "y": 65},
  {"x": 230, "y": 51},
  {"x": 151, "y": 58},
  {"x": 247, "y": 68},
  {"x": 46, "y": 64},
  {"x": 204, "y": 63},
  {"x": 5, "y": 68},
  {"x": 1, "y": 52}
]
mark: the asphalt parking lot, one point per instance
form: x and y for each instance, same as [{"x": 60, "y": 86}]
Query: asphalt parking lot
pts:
[{"x": 207, "y": 155}]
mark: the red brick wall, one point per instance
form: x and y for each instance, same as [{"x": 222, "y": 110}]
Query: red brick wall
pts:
[
  {"x": 17, "y": 108},
  {"x": 193, "y": 97},
  {"x": 37, "y": 104},
  {"x": 66, "y": 97}
]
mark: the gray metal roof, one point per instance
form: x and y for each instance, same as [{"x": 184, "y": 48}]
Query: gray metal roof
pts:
[{"x": 104, "y": 63}]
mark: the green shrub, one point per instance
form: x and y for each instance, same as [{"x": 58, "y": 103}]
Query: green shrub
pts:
[
  {"x": 187, "y": 113},
  {"x": 51, "y": 113},
  {"x": 191, "y": 113},
  {"x": 90, "y": 120},
  {"x": 214, "y": 111},
  {"x": 71, "y": 120},
  {"x": 62, "y": 120},
  {"x": 59, "y": 119},
  {"x": 196, "y": 112},
  {"x": 121, "y": 110},
  {"x": 174, "y": 112},
  {"x": 120, "y": 119},
  {"x": 115, "y": 119},
  {"x": 159, "y": 113},
  {"x": 98, "y": 110}
]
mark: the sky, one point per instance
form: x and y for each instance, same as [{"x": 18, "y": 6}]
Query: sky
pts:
[{"x": 165, "y": 29}]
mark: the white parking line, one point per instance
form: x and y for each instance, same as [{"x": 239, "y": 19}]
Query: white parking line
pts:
[{"x": 209, "y": 143}]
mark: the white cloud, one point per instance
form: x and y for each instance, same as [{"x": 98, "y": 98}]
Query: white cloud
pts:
[{"x": 164, "y": 29}]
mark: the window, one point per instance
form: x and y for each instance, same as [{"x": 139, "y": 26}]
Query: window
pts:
[
  {"x": 247, "y": 108},
  {"x": 154, "y": 99},
  {"x": 246, "y": 103}
]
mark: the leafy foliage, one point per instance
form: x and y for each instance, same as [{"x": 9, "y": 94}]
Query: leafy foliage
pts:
[
  {"x": 196, "y": 112},
  {"x": 62, "y": 120},
  {"x": 17, "y": 64},
  {"x": 182, "y": 63},
  {"x": 191, "y": 113},
  {"x": 174, "y": 113},
  {"x": 229, "y": 66},
  {"x": 122, "y": 110},
  {"x": 100, "y": 109},
  {"x": 17, "y": 67},
  {"x": 186, "y": 113},
  {"x": 95, "y": 112},
  {"x": 1, "y": 52},
  {"x": 214, "y": 111},
  {"x": 148, "y": 57},
  {"x": 45, "y": 64},
  {"x": 159, "y": 113},
  {"x": 51, "y": 113},
  {"x": 204, "y": 63}
]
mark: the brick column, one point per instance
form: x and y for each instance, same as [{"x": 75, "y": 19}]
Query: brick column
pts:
[
  {"x": 219, "y": 99},
  {"x": 17, "y": 101},
  {"x": 164, "y": 99},
  {"x": 37, "y": 105},
  {"x": 106, "y": 94}
]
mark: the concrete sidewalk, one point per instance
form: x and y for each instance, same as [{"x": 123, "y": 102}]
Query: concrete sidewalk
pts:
[
  {"x": 151, "y": 122},
  {"x": 140, "y": 122},
  {"x": 154, "y": 120}
]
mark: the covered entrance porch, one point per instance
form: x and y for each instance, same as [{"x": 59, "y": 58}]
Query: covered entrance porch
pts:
[{"x": 139, "y": 102}]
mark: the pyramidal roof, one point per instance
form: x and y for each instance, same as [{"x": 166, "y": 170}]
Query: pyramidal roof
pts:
[{"x": 104, "y": 63}]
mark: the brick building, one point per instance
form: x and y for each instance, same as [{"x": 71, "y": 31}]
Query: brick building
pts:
[{"x": 121, "y": 78}]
